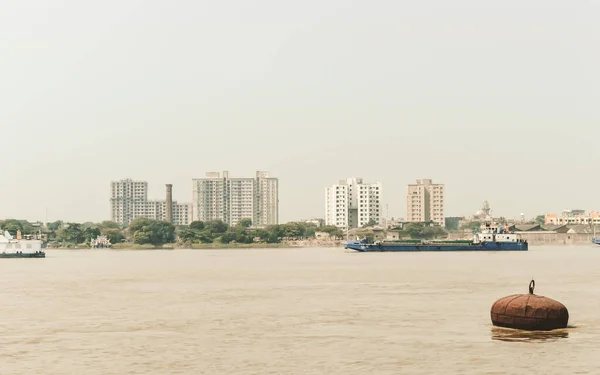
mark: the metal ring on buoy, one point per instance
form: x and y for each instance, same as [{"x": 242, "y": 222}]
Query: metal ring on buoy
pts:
[{"x": 531, "y": 286}]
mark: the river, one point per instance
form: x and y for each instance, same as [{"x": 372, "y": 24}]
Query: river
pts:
[{"x": 292, "y": 311}]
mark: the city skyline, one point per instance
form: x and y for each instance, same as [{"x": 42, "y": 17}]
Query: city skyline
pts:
[
  {"x": 217, "y": 196},
  {"x": 184, "y": 196},
  {"x": 497, "y": 100}
]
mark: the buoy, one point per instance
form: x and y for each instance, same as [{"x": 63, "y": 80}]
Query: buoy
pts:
[{"x": 529, "y": 312}]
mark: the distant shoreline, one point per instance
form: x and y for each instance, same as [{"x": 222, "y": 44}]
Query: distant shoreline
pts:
[
  {"x": 212, "y": 246},
  {"x": 235, "y": 246}
]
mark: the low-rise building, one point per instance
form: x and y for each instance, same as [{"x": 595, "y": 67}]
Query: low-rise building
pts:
[{"x": 572, "y": 217}]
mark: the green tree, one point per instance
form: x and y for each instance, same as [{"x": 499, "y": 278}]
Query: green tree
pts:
[
  {"x": 147, "y": 231},
  {"x": 268, "y": 235},
  {"x": 204, "y": 238},
  {"x": 540, "y": 219},
  {"x": 109, "y": 225},
  {"x": 452, "y": 223},
  {"x": 162, "y": 233},
  {"x": 188, "y": 235},
  {"x": 142, "y": 237},
  {"x": 422, "y": 231},
  {"x": 309, "y": 231},
  {"x": 227, "y": 237},
  {"x": 138, "y": 223},
  {"x": 262, "y": 234},
  {"x": 54, "y": 226},
  {"x": 91, "y": 233},
  {"x": 12, "y": 225},
  {"x": 72, "y": 233},
  {"x": 245, "y": 222},
  {"x": 292, "y": 230},
  {"x": 414, "y": 230},
  {"x": 197, "y": 225},
  {"x": 114, "y": 235},
  {"x": 244, "y": 237},
  {"x": 216, "y": 226}
]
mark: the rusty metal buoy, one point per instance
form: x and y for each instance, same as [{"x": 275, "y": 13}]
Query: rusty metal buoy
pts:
[{"x": 529, "y": 312}]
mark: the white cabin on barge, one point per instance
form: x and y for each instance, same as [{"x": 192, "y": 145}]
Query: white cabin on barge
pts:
[
  {"x": 494, "y": 233},
  {"x": 10, "y": 245}
]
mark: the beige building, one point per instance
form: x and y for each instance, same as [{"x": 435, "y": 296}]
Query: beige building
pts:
[
  {"x": 425, "y": 202},
  {"x": 220, "y": 197},
  {"x": 572, "y": 217},
  {"x": 181, "y": 214},
  {"x": 129, "y": 200}
]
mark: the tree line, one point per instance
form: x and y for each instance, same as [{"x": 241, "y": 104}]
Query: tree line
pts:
[
  {"x": 69, "y": 233},
  {"x": 144, "y": 231}
]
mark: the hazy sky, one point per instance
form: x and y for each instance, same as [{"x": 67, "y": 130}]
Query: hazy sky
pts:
[{"x": 499, "y": 100}]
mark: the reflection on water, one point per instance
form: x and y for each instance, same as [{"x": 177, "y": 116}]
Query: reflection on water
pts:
[{"x": 509, "y": 334}]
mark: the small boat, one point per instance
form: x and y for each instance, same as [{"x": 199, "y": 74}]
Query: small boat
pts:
[
  {"x": 101, "y": 242},
  {"x": 19, "y": 247},
  {"x": 491, "y": 238}
]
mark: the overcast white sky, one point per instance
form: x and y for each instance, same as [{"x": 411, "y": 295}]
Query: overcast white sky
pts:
[{"x": 498, "y": 100}]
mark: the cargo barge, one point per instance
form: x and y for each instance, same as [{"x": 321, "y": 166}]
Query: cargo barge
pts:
[{"x": 491, "y": 238}]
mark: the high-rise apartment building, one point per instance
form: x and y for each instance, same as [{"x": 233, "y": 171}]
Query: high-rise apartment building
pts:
[
  {"x": 352, "y": 203},
  {"x": 220, "y": 197},
  {"x": 129, "y": 200},
  {"x": 425, "y": 202},
  {"x": 266, "y": 204}
]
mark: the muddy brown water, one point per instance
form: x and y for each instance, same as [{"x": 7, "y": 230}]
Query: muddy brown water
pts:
[{"x": 292, "y": 311}]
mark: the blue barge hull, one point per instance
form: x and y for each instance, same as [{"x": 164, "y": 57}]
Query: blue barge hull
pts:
[
  {"x": 484, "y": 246},
  {"x": 39, "y": 254}
]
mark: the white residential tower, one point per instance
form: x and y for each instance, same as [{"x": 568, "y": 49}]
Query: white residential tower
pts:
[{"x": 352, "y": 203}]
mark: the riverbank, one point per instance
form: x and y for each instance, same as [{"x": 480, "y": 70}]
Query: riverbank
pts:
[
  {"x": 282, "y": 245},
  {"x": 126, "y": 246},
  {"x": 216, "y": 245}
]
